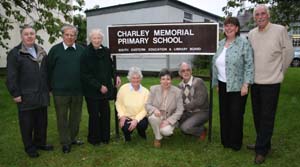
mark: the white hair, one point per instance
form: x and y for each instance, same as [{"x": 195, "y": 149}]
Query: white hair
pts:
[
  {"x": 261, "y": 6},
  {"x": 181, "y": 64},
  {"x": 134, "y": 71},
  {"x": 96, "y": 31}
]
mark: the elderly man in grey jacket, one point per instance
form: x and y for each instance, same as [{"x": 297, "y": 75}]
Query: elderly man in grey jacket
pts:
[{"x": 195, "y": 102}]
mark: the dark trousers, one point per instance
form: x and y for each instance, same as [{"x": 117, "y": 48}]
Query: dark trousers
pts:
[
  {"x": 33, "y": 126},
  {"x": 264, "y": 105},
  {"x": 68, "y": 114},
  {"x": 232, "y": 109},
  {"x": 141, "y": 128},
  {"x": 99, "y": 120}
]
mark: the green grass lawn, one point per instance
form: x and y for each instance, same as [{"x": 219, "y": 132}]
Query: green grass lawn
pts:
[{"x": 177, "y": 151}]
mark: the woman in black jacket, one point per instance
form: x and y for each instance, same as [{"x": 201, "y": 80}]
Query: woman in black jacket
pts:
[{"x": 97, "y": 74}]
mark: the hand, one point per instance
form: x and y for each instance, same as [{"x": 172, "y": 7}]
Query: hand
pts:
[
  {"x": 18, "y": 99},
  {"x": 164, "y": 123},
  {"x": 122, "y": 121},
  {"x": 244, "y": 90},
  {"x": 118, "y": 81},
  {"x": 157, "y": 113},
  {"x": 217, "y": 87},
  {"x": 103, "y": 89},
  {"x": 133, "y": 124}
]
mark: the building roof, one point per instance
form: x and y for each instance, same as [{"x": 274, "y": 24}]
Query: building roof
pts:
[{"x": 149, "y": 4}]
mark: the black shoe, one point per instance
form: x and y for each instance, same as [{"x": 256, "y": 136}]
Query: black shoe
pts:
[
  {"x": 143, "y": 135},
  {"x": 66, "y": 149},
  {"x": 105, "y": 142},
  {"x": 251, "y": 146},
  {"x": 235, "y": 148},
  {"x": 127, "y": 138},
  {"x": 33, "y": 154},
  {"x": 45, "y": 147},
  {"x": 77, "y": 142},
  {"x": 259, "y": 159},
  {"x": 94, "y": 143}
]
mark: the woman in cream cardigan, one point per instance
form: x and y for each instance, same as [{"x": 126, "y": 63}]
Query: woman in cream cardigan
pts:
[
  {"x": 164, "y": 107},
  {"x": 130, "y": 105}
]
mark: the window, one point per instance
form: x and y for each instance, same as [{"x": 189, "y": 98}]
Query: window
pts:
[
  {"x": 188, "y": 16},
  {"x": 206, "y": 20}
]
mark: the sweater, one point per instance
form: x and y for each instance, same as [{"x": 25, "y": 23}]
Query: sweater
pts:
[
  {"x": 198, "y": 94},
  {"x": 131, "y": 103},
  {"x": 64, "y": 70},
  {"x": 273, "y": 53}
]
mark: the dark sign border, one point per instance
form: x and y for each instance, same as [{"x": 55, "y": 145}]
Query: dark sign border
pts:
[{"x": 132, "y": 39}]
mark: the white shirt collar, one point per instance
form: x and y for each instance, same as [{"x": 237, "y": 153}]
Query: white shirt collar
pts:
[
  {"x": 190, "y": 82},
  {"x": 32, "y": 51},
  {"x": 66, "y": 46},
  {"x": 132, "y": 89}
]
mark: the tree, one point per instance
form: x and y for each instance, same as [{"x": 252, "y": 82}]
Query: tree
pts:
[
  {"x": 283, "y": 12},
  {"x": 80, "y": 22},
  {"x": 43, "y": 15}
]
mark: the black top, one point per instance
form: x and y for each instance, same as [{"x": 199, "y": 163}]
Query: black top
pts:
[{"x": 96, "y": 70}]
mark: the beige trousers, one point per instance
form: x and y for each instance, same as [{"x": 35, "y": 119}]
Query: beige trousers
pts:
[{"x": 160, "y": 132}]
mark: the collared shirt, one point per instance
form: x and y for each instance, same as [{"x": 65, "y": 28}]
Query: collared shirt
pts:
[
  {"x": 32, "y": 51},
  {"x": 190, "y": 82},
  {"x": 132, "y": 89},
  {"x": 66, "y": 46}
]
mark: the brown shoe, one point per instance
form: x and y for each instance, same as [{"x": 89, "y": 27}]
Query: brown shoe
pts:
[
  {"x": 156, "y": 143},
  {"x": 251, "y": 146},
  {"x": 259, "y": 159},
  {"x": 203, "y": 135}
]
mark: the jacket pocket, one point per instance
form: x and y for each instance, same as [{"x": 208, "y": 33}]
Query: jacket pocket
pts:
[{"x": 30, "y": 99}]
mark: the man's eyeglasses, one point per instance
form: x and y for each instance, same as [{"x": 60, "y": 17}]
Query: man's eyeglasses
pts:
[{"x": 185, "y": 70}]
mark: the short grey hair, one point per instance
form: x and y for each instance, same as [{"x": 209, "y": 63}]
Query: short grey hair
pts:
[
  {"x": 69, "y": 26},
  {"x": 261, "y": 6},
  {"x": 134, "y": 71},
  {"x": 180, "y": 67},
  {"x": 25, "y": 26},
  {"x": 96, "y": 31}
]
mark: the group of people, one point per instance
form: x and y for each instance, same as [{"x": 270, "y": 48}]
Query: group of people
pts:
[
  {"x": 71, "y": 72},
  {"x": 260, "y": 63}
]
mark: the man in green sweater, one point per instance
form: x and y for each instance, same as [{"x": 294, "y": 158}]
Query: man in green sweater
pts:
[
  {"x": 64, "y": 76},
  {"x": 273, "y": 52}
]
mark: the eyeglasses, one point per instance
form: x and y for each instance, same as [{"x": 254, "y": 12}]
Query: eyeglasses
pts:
[
  {"x": 185, "y": 70},
  {"x": 69, "y": 35}
]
